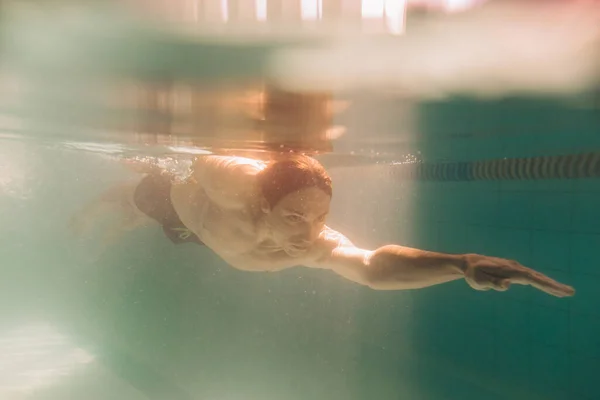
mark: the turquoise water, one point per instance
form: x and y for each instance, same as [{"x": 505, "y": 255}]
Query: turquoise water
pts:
[{"x": 146, "y": 319}]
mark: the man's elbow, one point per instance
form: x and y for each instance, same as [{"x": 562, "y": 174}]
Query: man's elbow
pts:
[
  {"x": 383, "y": 270},
  {"x": 373, "y": 283},
  {"x": 378, "y": 281},
  {"x": 374, "y": 277}
]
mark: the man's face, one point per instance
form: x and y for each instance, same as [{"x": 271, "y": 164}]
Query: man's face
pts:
[{"x": 297, "y": 219}]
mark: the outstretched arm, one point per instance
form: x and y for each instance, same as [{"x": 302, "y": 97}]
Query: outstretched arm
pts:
[{"x": 394, "y": 267}]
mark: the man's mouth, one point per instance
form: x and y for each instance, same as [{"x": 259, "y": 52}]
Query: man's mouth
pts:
[{"x": 296, "y": 249}]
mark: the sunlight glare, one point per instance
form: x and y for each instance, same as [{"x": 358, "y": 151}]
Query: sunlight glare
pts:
[
  {"x": 311, "y": 10},
  {"x": 261, "y": 10}
]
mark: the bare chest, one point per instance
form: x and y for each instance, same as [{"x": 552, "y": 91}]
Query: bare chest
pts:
[
  {"x": 226, "y": 229},
  {"x": 231, "y": 233}
]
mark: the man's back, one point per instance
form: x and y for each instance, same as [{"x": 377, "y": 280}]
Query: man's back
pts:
[{"x": 220, "y": 203}]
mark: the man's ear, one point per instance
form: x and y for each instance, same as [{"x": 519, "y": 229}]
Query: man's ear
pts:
[{"x": 264, "y": 206}]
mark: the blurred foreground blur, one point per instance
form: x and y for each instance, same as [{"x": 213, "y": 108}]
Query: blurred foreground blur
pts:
[{"x": 266, "y": 74}]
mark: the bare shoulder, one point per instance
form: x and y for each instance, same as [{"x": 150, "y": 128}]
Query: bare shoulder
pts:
[
  {"x": 227, "y": 163},
  {"x": 228, "y": 181},
  {"x": 329, "y": 241},
  {"x": 332, "y": 238}
]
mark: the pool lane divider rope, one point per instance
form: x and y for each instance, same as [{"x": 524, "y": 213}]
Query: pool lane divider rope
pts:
[{"x": 570, "y": 166}]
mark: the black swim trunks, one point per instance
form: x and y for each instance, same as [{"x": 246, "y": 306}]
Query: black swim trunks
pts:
[{"x": 153, "y": 197}]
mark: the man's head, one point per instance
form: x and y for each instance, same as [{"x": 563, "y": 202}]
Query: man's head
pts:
[{"x": 296, "y": 192}]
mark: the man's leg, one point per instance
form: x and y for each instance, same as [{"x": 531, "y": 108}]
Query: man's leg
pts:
[{"x": 114, "y": 210}]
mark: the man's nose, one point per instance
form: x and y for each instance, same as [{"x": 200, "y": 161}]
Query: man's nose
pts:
[{"x": 309, "y": 233}]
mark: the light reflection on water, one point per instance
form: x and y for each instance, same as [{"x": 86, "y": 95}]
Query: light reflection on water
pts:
[{"x": 36, "y": 356}]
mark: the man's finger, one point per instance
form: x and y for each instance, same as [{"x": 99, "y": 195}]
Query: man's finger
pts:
[{"x": 542, "y": 282}]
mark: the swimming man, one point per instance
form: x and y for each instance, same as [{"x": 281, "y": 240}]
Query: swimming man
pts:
[{"x": 270, "y": 215}]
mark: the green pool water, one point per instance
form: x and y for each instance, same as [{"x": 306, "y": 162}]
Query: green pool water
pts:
[{"x": 145, "y": 319}]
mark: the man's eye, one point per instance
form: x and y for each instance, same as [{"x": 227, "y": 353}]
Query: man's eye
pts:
[{"x": 294, "y": 218}]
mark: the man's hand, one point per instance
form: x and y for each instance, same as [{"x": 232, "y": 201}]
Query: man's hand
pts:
[{"x": 484, "y": 273}]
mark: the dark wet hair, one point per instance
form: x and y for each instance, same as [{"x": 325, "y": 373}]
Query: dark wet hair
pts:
[{"x": 284, "y": 176}]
